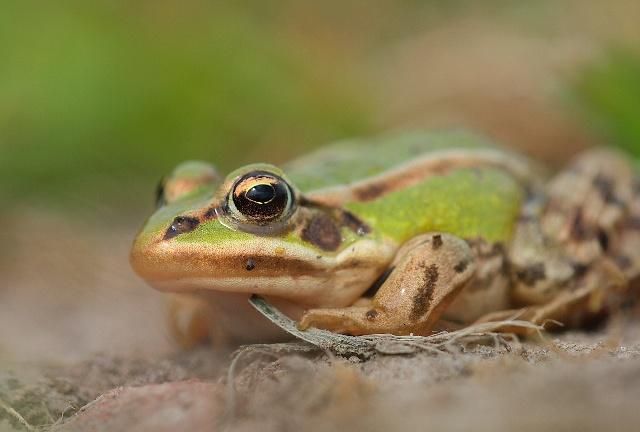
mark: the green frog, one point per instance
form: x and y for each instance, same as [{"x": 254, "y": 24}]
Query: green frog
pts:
[{"x": 398, "y": 234}]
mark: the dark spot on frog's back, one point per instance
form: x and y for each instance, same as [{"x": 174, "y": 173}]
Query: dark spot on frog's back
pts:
[
  {"x": 322, "y": 232},
  {"x": 181, "y": 225},
  {"x": 423, "y": 297}
]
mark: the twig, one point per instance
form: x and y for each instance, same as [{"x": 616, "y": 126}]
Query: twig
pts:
[
  {"x": 367, "y": 346},
  {"x": 15, "y": 414}
]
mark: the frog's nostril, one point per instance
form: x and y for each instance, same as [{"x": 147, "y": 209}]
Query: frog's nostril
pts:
[{"x": 181, "y": 225}]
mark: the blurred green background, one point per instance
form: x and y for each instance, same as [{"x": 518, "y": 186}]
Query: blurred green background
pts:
[{"x": 99, "y": 99}]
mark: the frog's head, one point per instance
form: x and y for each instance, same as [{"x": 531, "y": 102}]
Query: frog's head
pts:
[{"x": 254, "y": 232}]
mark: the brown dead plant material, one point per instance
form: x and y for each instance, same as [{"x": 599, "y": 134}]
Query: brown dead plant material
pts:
[
  {"x": 365, "y": 347},
  {"x": 15, "y": 415}
]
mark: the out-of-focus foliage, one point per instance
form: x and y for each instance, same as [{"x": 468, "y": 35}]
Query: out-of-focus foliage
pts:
[
  {"x": 609, "y": 93},
  {"x": 98, "y": 97}
]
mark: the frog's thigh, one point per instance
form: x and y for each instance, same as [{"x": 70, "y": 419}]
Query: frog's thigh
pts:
[
  {"x": 588, "y": 203},
  {"x": 588, "y": 217},
  {"x": 586, "y": 297},
  {"x": 190, "y": 319},
  {"x": 427, "y": 274}
]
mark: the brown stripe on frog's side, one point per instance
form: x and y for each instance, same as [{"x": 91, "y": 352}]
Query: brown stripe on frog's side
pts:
[
  {"x": 414, "y": 172},
  {"x": 184, "y": 261},
  {"x": 266, "y": 265},
  {"x": 210, "y": 214},
  {"x": 424, "y": 296}
]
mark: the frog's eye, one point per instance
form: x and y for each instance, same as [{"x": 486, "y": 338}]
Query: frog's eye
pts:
[{"x": 261, "y": 197}]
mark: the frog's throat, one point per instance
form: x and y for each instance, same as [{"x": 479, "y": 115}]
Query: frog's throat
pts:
[
  {"x": 267, "y": 267},
  {"x": 413, "y": 172}
]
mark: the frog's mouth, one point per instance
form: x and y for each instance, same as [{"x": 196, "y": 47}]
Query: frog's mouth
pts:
[{"x": 265, "y": 266}]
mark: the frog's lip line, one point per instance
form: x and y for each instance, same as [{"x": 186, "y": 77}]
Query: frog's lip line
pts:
[
  {"x": 170, "y": 262},
  {"x": 335, "y": 290},
  {"x": 413, "y": 172}
]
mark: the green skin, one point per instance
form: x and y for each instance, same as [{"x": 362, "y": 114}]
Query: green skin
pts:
[
  {"x": 471, "y": 202},
  {"x": 398, "y": 189}
]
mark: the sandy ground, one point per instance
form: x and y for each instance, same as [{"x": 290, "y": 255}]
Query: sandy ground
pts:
[{"x": 76, "y": 358}]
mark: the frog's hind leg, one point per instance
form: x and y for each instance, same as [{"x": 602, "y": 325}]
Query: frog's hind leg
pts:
[
  {"x": 592, "y": 205},
  {"x": 426, "y": 275},
  {"x": 575, "y": 252},
  {"x": 576, "y": 304}
]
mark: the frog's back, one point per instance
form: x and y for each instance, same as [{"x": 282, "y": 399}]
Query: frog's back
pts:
[
  {"x": 477, "y": 192},
  {"x": 349, "y": 161}
]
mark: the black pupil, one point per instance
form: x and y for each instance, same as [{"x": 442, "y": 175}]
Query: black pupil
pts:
[
  {"x": 262, "y": 193},
  {"x": 261, "y": 197}
]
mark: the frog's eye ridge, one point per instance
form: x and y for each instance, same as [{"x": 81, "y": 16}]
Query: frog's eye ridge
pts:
[{"x": 261, "y": 197}]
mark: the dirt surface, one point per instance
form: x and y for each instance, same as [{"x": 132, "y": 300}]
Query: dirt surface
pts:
[{"x": 578, "y": 381}]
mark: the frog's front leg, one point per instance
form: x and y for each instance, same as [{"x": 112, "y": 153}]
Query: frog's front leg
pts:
[
  {"x": 190, "y": 320},
  {"x": 426, "y": 275}
]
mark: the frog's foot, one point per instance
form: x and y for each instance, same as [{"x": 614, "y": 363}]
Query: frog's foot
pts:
[
  {"x": 189, "y": 320},
  {"x": 585, "y": 299},
  {"x": 427, "y": 274},
  {"x": 355, "y": 320}
]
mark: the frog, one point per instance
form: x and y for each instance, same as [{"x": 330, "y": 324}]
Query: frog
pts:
[{"x": 403, "y": 233}]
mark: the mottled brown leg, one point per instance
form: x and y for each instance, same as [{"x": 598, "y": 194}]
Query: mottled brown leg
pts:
[
  {"x": 587, "y": 297},
  {"x": 427, "y": 274},
  {"x": 574, "y": 252}
]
